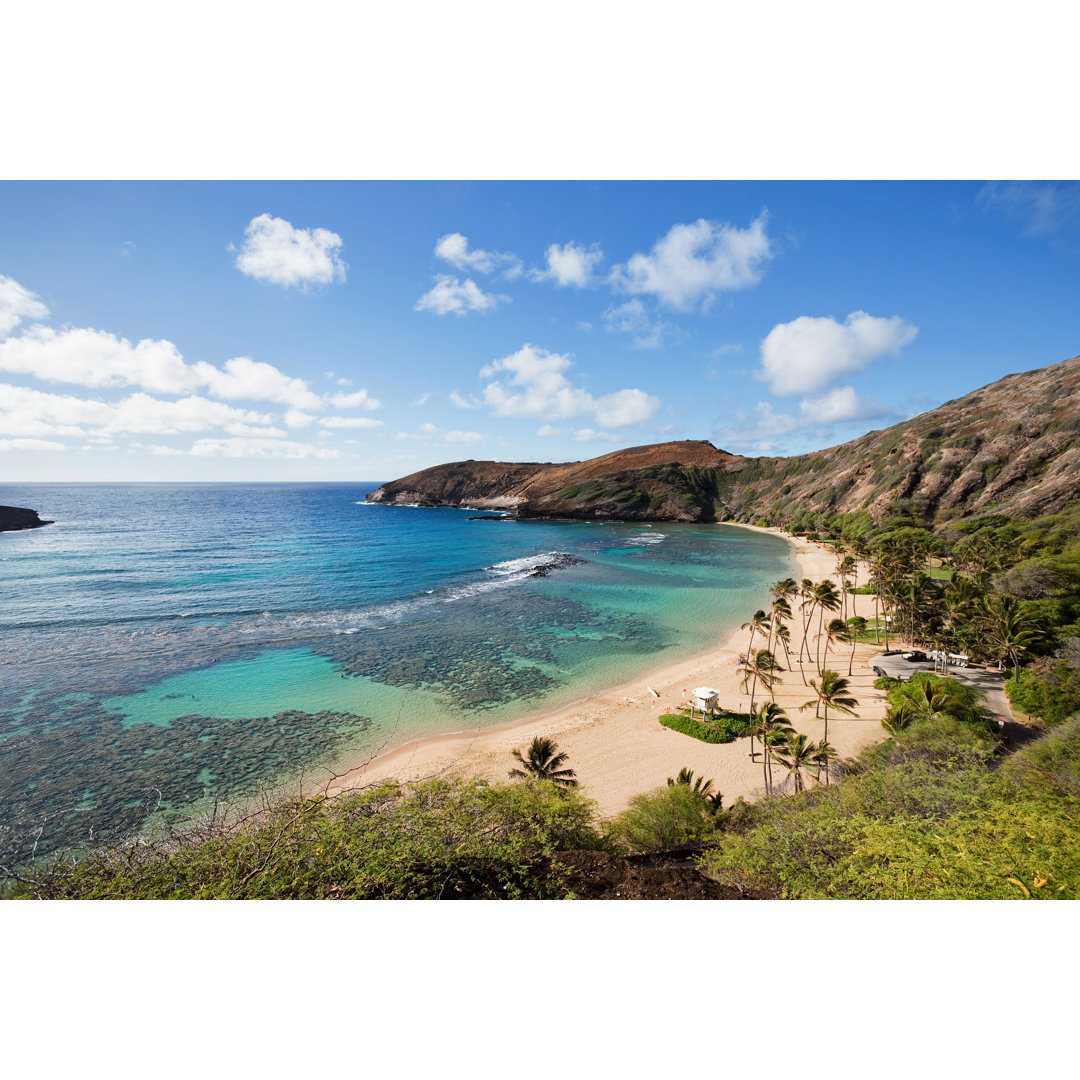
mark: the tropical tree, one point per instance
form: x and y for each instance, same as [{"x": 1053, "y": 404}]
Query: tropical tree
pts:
[
  {"x": 856, "y": 628},
  {"x": 758, "y": 624},
  {"x": 928, "y": 697},
  {"x": 1008, "y": 628},
  {"x": 783, "y": 635},
  {"x": 836, "y": 630},
  {"x": 771, "y": 726},
  {"x": 699, "y": 785},
  {"x": 827, "y": 599},
  {"x": 761, "y": 666},
  {"x": 542, "y": 761},
  {"x": 831, "y": 693},
  {"x": 796, "y": 754}
]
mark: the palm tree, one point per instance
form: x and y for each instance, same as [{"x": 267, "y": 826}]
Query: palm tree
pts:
[
  {"x": 807, "y": 592},
  {"x": 832, "y": 693},
  {"x": 797, "y": 754},
  {"x": 542, "y": 762},
  {"x": 771, "y": 727},
  {"x": 783, "y": 635},
  {"x": 1008, "y": 628},
  {"x": 827, "y": 599},
  {"x": 925, "y": 700},
  {"x": 856, "y": 628},
  {"x": 761, "y": 665},
  {"x": 699, "y": 785},
  {"x": 759, "y": 623},
  {"x": 836, "y": 630}
]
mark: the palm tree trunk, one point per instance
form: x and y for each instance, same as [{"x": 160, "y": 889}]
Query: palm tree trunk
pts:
[
  {"x": 825, "y": 741},
  {"x": 851, "y": 659}
]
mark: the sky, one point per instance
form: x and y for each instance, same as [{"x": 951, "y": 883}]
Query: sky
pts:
[{"x": 364, "y": 330}]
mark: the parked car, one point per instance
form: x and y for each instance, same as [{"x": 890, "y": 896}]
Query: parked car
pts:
[{"x": 915, "y": 656}]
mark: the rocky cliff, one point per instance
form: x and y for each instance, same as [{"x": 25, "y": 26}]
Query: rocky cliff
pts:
[
  {"x": 1012, "y": 446},
  {"x": 13, "y": 518}
]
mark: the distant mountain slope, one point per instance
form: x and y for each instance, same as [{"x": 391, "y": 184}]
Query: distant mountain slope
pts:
[{"x": 1012, "y": 446}]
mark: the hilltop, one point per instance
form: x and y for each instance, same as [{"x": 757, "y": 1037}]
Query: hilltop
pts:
[{"x": 1012, "y": 446}]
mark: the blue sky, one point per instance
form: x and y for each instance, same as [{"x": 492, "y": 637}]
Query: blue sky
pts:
[{"x": 341, "y": 331}]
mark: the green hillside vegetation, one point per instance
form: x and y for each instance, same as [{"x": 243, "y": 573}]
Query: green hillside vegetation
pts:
[{"x": 932, "y": 813}]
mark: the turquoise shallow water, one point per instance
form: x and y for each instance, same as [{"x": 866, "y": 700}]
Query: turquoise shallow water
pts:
[{"x": 184, "y": 642}]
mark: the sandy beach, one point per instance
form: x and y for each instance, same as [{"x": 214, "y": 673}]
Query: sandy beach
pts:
[{"x": 614, "y": 741}]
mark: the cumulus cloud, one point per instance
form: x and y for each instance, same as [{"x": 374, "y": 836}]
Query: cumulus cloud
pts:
[
  {"x": 358, "y": 400},
  {"x": 349, "y": 422},
  {"x": 275, "y": 252},
  {"x": 25, "y": 409},
  {"x": 764, "y": 429},
  {"x": 548, "y": 431},
  {"x": 463, "y": 402},
  {"x": 632, "y": 318},
  {"x": 449, "y": 296},
  {"x": 808, "y": 353},
  {"x": 463, "y": 437},
  {"x": 569, "y": 265},
  {"x": 536, "y": 386},
  {"x": 454, "y": 249},
  {"x": 96, "y": 358},
  {"x": 588, "y": 435},
  {"x": 691, "y": 264},
  {"x": 17, "y": 304},
  {"x": 255, "y": 432}
]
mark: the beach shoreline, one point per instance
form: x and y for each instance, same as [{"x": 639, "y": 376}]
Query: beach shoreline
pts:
[{"x": 613, "y": 740}]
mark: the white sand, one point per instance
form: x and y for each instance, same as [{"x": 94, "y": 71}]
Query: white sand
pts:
[{"x": 618, "y": 748}]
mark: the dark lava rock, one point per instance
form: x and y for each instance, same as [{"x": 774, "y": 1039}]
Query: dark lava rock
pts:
[
  {"x": 558, "y": 561},
  {"x": 13, "y": 518},
  {"x": 597, "y": 875}
]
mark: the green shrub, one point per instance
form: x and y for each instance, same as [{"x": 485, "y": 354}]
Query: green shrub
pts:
[
  {"x": 439, "y": 839},
  {"x": 668, "y": 817},
  {"x": 727, "y": 727}
]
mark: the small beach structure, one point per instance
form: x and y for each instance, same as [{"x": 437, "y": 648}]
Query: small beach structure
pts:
[{"x": 705, "y": 699}]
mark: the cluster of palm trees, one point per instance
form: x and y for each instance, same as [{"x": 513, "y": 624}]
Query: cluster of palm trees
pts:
[{"x": 965, "y": 615}]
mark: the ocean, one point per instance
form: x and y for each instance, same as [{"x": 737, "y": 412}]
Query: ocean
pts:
[{"x": 163, "y": 646}]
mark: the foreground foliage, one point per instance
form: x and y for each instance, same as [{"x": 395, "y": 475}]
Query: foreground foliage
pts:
[
  {"x": 925, "y": 815},
  {"x": 440, "y": 839}
]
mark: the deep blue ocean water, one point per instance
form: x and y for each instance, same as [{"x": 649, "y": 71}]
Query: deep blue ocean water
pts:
[{"x": 164, "y": 644}]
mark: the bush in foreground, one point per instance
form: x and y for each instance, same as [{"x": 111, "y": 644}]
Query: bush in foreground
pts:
[
  {"x": 924, "y": 816},
  {"x": 673, "y": 816},
  {"x": 439, "y": 839}
]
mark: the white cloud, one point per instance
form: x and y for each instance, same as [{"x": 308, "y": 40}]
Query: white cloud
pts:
[
  {"x": 693, "y": 263},
  {"x": 463, "y": 437},
  {"x": 454, "y": 249},
  {"x": 358, "y": 400},
  {"x": 587, "y": 435},
  {"x": 96, "y": 358},
  {"x": 423, "y": 398},
  {"x": 275, "y": 449},
  {"x": 429, "y": 429},
  {"x": 451, "y": 296},
  {"x": 806, "y": 354},
  {"x": 841, "y": 404},
  {"x": 463, "y": 402},
  {"x": 254, "y": 432},
  {"x": 632, "y": 318},
  {"x": 17, "y": 304},
  {"x": 273, "y": 251},
  {"x": 30, "y": 444},
  {"x": 349, "y": 422},
  {"x": 157, "y": 450},
  {"x": 625, "y": 407},
  {"x": 537, "y": 388},
  {"x": 135, "y": 414},
  {"x": 1044, "y": 209},
  {"x": 546, "y": 431},
  {"x": 570, "y": 264},
  {"x": 296, "y": 418}
]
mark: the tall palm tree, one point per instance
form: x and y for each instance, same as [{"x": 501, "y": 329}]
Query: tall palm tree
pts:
[
  {"x": 542, "y": 761},
  {"x": 761, "y": 666},
  {"x": 1008, "y": 628},
  {"x": 780, "y": 612},
  {"x": 771, "y": 727},
  {"x": 807, "y": 592},
  {"x": 827, "y": 599},
  {"x": 783, "y": 635},
  {"x": 796, "y": 754},
  {"x": 831, "y": 693},
  {"x": 759, "y": 623},
  {"x": 835, "y": 630},
  {"x": 856, "y": 628}
]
